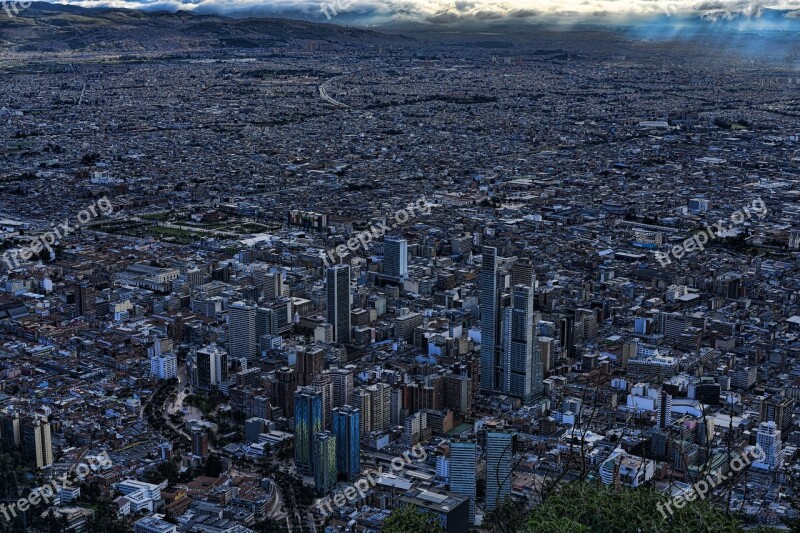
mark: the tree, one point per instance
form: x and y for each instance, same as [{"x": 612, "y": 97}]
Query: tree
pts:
[
  {"x": 407, "y": 519},
  {"x": 506, "y": 517},
  {"x": 589, "y": 506}
]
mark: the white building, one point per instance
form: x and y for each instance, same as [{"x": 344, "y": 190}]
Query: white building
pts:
[
  {"x": 141, "y": 495},
  {"x": 622, "y": 468},
  {"x": 164, "y": 366},
  {"x": 768, "y": 439}
]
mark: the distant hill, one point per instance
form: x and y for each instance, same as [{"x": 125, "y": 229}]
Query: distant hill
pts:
[{"x": 54, "y": 27}]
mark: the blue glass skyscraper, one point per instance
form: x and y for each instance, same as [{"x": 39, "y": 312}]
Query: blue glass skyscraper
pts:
[
  {"x": 347, "y": 429},
  {"x": 308, "y": 421}
]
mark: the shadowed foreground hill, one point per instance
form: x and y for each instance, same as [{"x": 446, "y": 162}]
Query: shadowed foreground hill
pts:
[{"x": 589, "y": 508}]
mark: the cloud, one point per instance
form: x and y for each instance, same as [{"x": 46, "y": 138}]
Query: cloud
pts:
[{"x": 452, "y": 12}]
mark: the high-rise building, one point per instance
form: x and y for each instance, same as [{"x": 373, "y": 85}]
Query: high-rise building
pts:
[
  {"x": 164, "y": 366},
  {"x": 308, "y": 421},
  {"x": 270, "y": 284},
  {"x": 458, "y": 392},
  {"x": 347, "y": 429},
  {"x": 342, "y": 379},
  {"x": 37, "y": 447},
  {"x": 362, "y": 400},
  {"x": 324, "y": 385},
  {"x": 414, "y": 429},
  {"x": 395, "y": 261},
  {"x": 241, "y": 331},
  {"x": 768, "y": 439},
  {"x": 664, "y": 410},
  {"x": 777, "y": 409},
  {"x": 85, "y": 299},
  {"x": 266, "y": 324},
  {"x": 525, "y": 373},
  {"x": 310, "y": 363},
  {"x": 211, "y": 365},
  {"x": 9, "y": 428},
  {"x": 463, "y": 479},
  {"x": 499, "y": 454},
  {"x": 380, "y": 396},
  {"x": 283, "y": 389},
  {"x": 199, "y": 442},
  {"x": 491, "y": 367},
  {"x": 325, "y": 447},
  {"x": 338, "y": 302},
  {"x": 522, "y": 274},
  {"x": 396, "y": 409}
]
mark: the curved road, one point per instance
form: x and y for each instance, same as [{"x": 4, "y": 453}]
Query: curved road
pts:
[{"x": 323, "y": 93}]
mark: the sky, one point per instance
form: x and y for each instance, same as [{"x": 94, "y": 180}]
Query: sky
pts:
[{"x": 446, "y": 12}]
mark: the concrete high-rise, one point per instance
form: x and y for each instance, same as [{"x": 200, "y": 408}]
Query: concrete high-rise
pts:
[
  {"x": 241, "y": 331},
  {"x": 362, "y": 399},
  {"x": 521, "y": 352},
  {"x": 380, "y": 396},
  {"x": 664, "y": 410},
  {"x": 310, "y": 363},
  {"x": 85, "y": 299},
  {"x": 768, "y": 439},
  {"x": 342, "y": 379},
  {"x": 492, "y": 378},
  {"x": 462, "y": 478},
  {"x": 499, "y": 454},
  {"x": 395, "y": 257},
  {"x": 283, "y": 389},
  {"x": 338, "y": 302},
  {"x": 36, "y": 443},
  {"x": 308, "y": 421},
  {"x": 211, "y": 364},
  {"x": 347, "y": 429},
  {"x": 10, "y": 430}
]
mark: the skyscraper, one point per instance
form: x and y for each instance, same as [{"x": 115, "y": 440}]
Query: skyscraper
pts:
[
  {"x": 462, "y": 478},
  {"x": 325, "y": 451},
  {"x": 362, "y": 399},
  {"x": 395, "y": 261},
  {"x": 342, "y": 379},
  {"x": 283, "y": 389},
  {"x": 323, "y": 384},
  {"x": 499, "y": 453},
  {"x": 491, "y": 371},
  {"x": 524, "y": 381},
  {"x": 37, "y": 447},
  {"x": 310, "y": 363},
  {"x": 380, "y": 396},
  {"x": 664, "y": 410},
  {"x": 308, "y": 421},
  {"x": 211, "y": 365},
  {"x": 347, "y": 429},
  {"x": 241, "y": 331},
  {"x": 768, "y": 439},
  {"x": 85, "y": 299},
  {"x": 266, "y": 324},
  {"x": 338, "y": 304},
  {"x": 9, "y": 427},
  {"x": 199, "y": 442}
]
